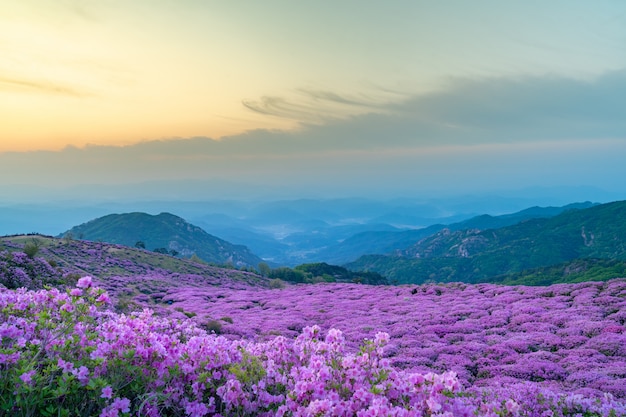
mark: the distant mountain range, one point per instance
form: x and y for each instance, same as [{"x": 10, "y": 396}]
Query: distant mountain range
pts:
[
  {"x": 338, "y": 232},
  {"x": 386, "y": 242},
  {"x": 574, "y": 241},
  {"x": 164, "y": 233},
  {"x": 287, "y": 234},
  {"x": 291, "y": 232},
  {"x": 537, "y": 246}
]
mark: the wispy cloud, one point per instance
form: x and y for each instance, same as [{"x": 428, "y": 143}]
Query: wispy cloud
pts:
[
  {"x": 531, "y": 109},
  {"x": 82, "y": 9},
  {"x": 320, "y": 106},
  {"x": 39, "y": 86}
]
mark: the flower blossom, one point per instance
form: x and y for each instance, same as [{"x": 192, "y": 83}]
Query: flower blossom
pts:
[{"x": 85, "y": 282}]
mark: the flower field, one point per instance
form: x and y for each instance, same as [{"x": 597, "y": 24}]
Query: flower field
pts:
[
  {"x": 63, "y": 353},
  {"x": 568, "y": 336},
  {"x": 199, "y": 345}
]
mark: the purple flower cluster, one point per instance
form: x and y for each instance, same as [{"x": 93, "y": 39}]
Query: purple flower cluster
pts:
[
  {"x": 568, "y": 337},
  {"x": 83, "y": 360},
  {"x": 61, "y": 352},
  {"x": 17, "y": 270}
]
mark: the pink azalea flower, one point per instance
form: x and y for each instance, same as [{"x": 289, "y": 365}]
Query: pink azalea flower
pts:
[
  {"x": 27, "y": 377},
  {"x": 107, "y": 392},
  {"x": 84, "y": 282}
]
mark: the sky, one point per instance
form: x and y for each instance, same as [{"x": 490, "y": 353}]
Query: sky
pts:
[{"x": 189, "y": 98}]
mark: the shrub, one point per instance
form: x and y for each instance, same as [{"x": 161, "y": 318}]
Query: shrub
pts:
[
  {"x": 18, "y": 270},
  {"x": 126, "y": 304},
  {"x": 32, "y": 248},
  {"x": 276, "y": 283},
  {"x": 213, "y": 326}
]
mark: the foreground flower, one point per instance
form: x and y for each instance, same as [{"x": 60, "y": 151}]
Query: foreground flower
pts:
[
  {"x": 84, "y": 282},
  {"x": 107, "y": 392}
]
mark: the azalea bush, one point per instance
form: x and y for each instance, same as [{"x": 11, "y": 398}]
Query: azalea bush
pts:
[
  {"x": 19, "y": 269},
  {"x": 67, "y": 354}
]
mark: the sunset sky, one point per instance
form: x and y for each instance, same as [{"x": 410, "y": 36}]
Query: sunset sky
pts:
[{"x": 403, "y": 95}]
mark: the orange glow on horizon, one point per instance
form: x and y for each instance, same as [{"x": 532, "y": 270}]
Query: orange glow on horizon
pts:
[{"x": 46, "y": 134}]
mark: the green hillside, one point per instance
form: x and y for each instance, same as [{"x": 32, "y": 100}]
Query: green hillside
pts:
[
  {"x": 165, "y": 233},
  {"x": 474, "y": 255},
  {"x": 385, "y": 242}
]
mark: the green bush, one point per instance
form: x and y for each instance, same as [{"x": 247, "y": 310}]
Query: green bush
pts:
[
  {"x": 213, "y": 326},
  {"x": 32, "y": 248},
  {"x": 276, "y": 283}
]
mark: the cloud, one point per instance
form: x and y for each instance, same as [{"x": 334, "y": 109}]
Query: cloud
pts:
[
  {"x": 27, "y": 85},
  {"x": 531, "y": 109},
  {"x": 467, "y": 112},
  {"x": 322, "y": 106},
  {"x": 534, "y": 108},
  {"x": 473, "y": 134}
]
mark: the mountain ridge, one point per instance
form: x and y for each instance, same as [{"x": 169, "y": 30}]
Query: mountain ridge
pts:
[
  {"x": 386, "y": 242},
  {"x": 164, "y": 231},
  {"x": 473, "y": 255}
]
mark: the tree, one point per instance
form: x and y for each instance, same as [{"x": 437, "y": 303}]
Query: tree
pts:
[
  {"x": 195, "y": 258},
  {"x": 140, "y": 244},
  {"x": 276, "y": 283},
  {"x": 287, "y": 274},
  {"x": 32, "y": 248},
  {"x": 264, "y": 269}
]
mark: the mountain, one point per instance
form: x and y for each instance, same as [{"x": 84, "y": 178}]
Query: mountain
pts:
[
  {"x": 282, "y": 232},
  {"x": 260, "y": 244},
  {"x": 486, "y": 221},
  {"x": 594, "y": 232},
  {"x": 385, "y": 242},
  {"x": 292, "y": 232},
  {"x": 164, "y": 232},
  {"x": 475, "y": 255},
  {"x": 374, "y": 242}
]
